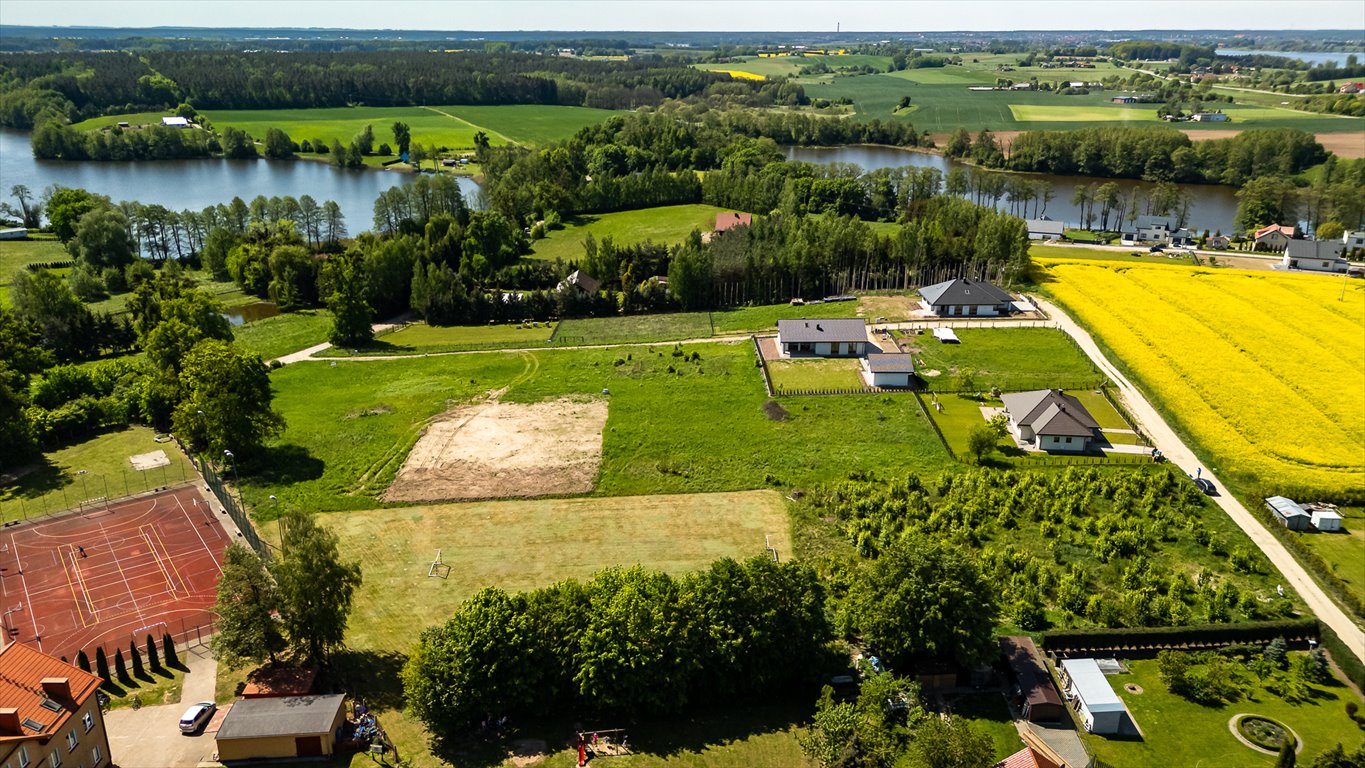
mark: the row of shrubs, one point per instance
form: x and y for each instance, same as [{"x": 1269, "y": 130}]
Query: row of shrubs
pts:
[
  {"x": 1060, "y": 640},
  {"x": 157, "y": 662}
]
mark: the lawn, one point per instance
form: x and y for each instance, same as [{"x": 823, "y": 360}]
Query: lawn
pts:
[
  {"x": 1227, "y": 353},
  {"x": 989, "y": 714},
  {"x": 675, "y": 326},
  {"x": 16, "y": 254},
  {"x": 1344, "y": 551},
  {"x": 132, "y": 119},
  {"x": 420, "y": 338},
  {"x": 524, "y": 544},
  {"x": 1174, "y": 729},
  {"x": 815, "y": 374},
  {"x": 765, "y": 317},
  {"x": 343, "y": 123},
  {"x": 94, "y": 468},
  {"x": 1013, "y": 359},
  {"x": 273, "y": 337},
  {"x": 669, "y": 225},
  {"x": 957, "y": 415},
  {"x": 341, "y": 451}
]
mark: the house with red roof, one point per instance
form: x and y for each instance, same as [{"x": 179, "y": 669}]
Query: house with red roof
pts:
[
  {"x": 1275, "y": 237},
  {"x": 49, "y": 712},
  {"x": 727, "y": 221}
]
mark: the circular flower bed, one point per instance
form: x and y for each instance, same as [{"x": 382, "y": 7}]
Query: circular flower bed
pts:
[{"x": 1264, "y": 732}]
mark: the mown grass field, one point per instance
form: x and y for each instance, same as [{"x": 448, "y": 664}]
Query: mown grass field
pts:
[
  {"x": 343, "y": 123},
  {"x": 635, "y": 328},
  {"x": 1013, "y": 359},
  {"x": 668, "y": 225},
  {"x": 815, "y": 374},
  {"x": 1176, "y": 730},
  {"x": 530, "y": 123},
  {"x": 420, "y": 338},
  {"x": 1227, "y": 353},
  {"x": 17, "y": 254},
  {"x": 273, "y": 337},
  {"x": 699, "y": 428},
  {"x": 1345, "y": 551},
  {"x": 93, "y": 468}
]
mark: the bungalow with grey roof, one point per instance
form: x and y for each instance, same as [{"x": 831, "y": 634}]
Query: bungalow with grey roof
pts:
[
  {"x": 1315, "y": 256},
  {"x": 1050, "y": 419},
  {"x": 965, "y": 298},
  {"x": 842, "y": 337},
  {"x": 1044, "y": 229}
]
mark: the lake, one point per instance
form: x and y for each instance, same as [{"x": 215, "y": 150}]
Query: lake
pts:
[
  {"x": 197, "y": 184},
  {"x": 1212, "y": 207},
  {"x": 1312, "y": 57}
]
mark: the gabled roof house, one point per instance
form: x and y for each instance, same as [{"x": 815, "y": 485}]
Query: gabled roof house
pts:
[
  {"x": 49, "y": 713},
  {"x": 1315, "y": 255},
  {"x": 840, "y": 337},
  {"x": 1273, "y": 237},
  {"x": 1051, "y": 419},
  {"x": 965, "y": 298}
]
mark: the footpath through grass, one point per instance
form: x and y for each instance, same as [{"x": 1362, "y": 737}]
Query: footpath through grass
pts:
[{"x": 273, "y": 337}]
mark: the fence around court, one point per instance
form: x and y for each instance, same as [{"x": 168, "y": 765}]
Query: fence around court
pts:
[
  {"x": 87, "y": 490},
  {"x": 234, "y": 510},
  {"x": 184, "y": 636}
]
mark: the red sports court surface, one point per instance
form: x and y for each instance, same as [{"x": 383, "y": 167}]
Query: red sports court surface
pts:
[{"x": 150, "y": 565}]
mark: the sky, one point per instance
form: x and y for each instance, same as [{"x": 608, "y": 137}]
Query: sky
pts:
[{"x": 698, "y": 15}]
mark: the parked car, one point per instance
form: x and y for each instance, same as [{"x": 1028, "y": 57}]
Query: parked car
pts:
[
  {"x": 1205, "y": 486},
  {"x": 1156, "y": 249},
  {"x": 197, "y": 716}
]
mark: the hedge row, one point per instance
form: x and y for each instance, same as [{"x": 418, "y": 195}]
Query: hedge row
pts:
[
  {"x": 50, "y": 265},
  {"x": 1245, "y": 632}
]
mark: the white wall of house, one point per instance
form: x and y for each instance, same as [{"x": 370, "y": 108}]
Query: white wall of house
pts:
[
  {"x": 966, "y": 310},
  {"x": 890, "y": 379},
  {"x": 1316, "y": 265},
  {"x": 828, "y": 349},
  {"x": 1060, "y": 443}
]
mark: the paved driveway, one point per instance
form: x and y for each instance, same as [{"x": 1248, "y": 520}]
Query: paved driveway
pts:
[{"x": 150, "y": 737}]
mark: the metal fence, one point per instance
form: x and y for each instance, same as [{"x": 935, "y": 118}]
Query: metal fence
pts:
[
  {"x": 234, "y": 510},
  {"x": 87, "y": 490}
]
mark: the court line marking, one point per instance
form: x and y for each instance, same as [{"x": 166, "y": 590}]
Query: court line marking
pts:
[
  {"x": 124, "y": 576},
  {"x": 85, "y": 589},
  {"x": 147, "y": 531},
  {"x": 27, "y": 600}
]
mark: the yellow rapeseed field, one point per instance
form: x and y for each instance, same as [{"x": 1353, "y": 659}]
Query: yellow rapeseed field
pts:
[
  {"x": 742, "y": 75},
  {"x": 1265, "y": 369}
]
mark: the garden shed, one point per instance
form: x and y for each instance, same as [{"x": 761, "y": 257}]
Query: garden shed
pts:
[
  {"x": 891, "y": 369},
  {"x": 1290, "y": 514},
  {"x": 1037, "y": 697},
  {"x": 1090, "y": 694},
  {"x": 1326, "y": 519},
  {"x": 283, "y": 727}
]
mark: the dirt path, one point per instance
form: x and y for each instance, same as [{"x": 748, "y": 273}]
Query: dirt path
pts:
[{"x": 1180, "y": 454}]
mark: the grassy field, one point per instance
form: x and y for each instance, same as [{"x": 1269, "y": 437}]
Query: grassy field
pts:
[
  {"x": 275, "y": 336},
  {"x": 341, "y": 451},
  {"x": 960, "y": 414},
  {"x": 1135, "y": 255},
  {"x": 94, "y": 468},
  {"x": 1013, "y": 359},
  {"x": 16, "y": 254},
  {"x": 1030, "y": 113},
  {"x": 815, "y": 374},
  {"x": 487, "y": 543},
  {"x": 1175, "y": 730},
  {"x": 530, "y": 123},
  {"x": 1345, "y": 551},
  {"x": 1227, "y": 353},
  {"x": 420, "y": 338},
  {"x": 764, "y": 318},
  {"x": 668, "y": 224},
  {"x": 988, "y": 713},
  {"x": 635, "y": 328}
]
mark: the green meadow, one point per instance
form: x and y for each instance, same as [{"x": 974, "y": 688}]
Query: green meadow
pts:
[
  {"x": 669, "y": 224},
  {"x": 17, "y": 254}
]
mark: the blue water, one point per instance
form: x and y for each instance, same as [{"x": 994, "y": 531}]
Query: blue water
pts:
[{"x": 1312, "y": 57}]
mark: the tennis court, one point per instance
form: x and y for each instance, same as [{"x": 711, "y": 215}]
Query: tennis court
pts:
[{"x": 140, "y": 566}]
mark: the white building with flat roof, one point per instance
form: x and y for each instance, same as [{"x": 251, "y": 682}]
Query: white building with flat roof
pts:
[{"x": 1088, "y": 690}]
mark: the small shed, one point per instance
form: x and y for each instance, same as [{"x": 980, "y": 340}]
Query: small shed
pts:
[
  {"x": 889, "y": 369},
  {"x": 13, "y": 233},
  {"x": 175, "y": 122},
  {"x": 1037, "y": 697},
  {"x": 947, "y": 336},
  {"x": 1290, "y": 514},
  {"x": 1101, "y": 710},
  {"x": 285, "y": 727},
  {"x": 1324, "y": 518}
]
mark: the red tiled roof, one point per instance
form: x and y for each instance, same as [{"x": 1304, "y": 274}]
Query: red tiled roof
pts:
[
  {"x": 726, "y": 221},
  {"x": 1026, "y": 758},
  {"x": 1286, "y": 231},
  {"x": 22, "y": 671}
]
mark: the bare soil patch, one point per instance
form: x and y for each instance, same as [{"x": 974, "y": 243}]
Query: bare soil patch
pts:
[
  {"x": 495, "y": 450},
  {"x": 527, "y": 752},
  {"x": 1344, "y": 144},
  {"x": 152, "y": 460}
]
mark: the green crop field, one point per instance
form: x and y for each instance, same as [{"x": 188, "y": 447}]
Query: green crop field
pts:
[
  {"x": 668, "y": 224},
  {"x": 1076, "y": 114},
  {"x": 341, "y": 451},
  {"x": 530, "y": 123},
  {"x": 1175, "y": 729},
  {"x": 947, "y": 76},
  {"x": 96, "y": 467},
  {"x": 343, "y": 123}
]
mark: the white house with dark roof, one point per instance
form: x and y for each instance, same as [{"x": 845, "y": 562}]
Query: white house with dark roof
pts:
[
  {"x": 889, "y": 369},
  {"x": 1050, "y": 419},
  {"x": 1044, "y": 229},
  {"x": 1354, "y": 240},
  {"x": 965, "y": 298},
  {"x": 1150, "y": 228},
  {"x": 840, "y": 337},
  {"x": 1315, "y": 256}
]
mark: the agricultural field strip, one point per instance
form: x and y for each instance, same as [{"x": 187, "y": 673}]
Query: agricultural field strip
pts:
[
  {"x": 1287, "y": 356},
  {"x": 1254, "y": 435},
  {"x": 1177, "y": 382},
  {"x": 459, "y": 119}
]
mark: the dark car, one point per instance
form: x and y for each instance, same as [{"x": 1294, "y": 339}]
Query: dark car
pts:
[
  {"x": 1156, "y": 249},
  {"x": 1205, "y": 486}
]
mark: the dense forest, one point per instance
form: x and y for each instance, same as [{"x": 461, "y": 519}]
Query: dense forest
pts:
[{"x": 83, "y": 85}]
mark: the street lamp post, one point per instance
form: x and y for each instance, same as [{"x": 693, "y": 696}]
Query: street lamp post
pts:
[{"x": 236, "y": 479}]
